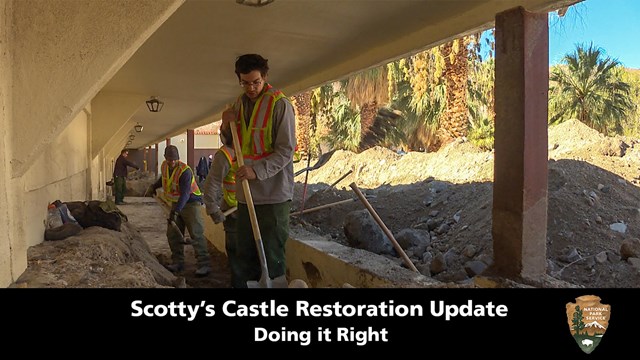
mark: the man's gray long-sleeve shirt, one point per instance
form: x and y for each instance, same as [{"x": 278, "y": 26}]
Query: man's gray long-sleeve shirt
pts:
[{"x": 274, "y": 183}]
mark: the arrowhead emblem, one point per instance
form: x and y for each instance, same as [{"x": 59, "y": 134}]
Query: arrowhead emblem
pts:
[{"x": 588, "y": 321}]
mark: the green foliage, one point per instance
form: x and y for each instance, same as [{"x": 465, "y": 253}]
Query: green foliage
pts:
[
  {"x": 480, "y": 102},
  {"x": 418, "y": 96},
  {"x": 344, "y": 125},
  {"x": 587, "y": 87},
  {"x": 631, "y": 123},
  {"x": 481, "y": 133},
  {"x": 577, "y": 323}
]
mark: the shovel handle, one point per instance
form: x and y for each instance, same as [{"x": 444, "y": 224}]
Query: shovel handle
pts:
[{"x": 252, "y": 211}]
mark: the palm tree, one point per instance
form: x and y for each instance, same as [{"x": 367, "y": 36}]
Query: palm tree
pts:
[
  {"x": 480, "y": 93},
  {"x": 587, "y": 87},
  {"x": 367, "y": 91},
  {"x": 417, "y": 91},
  {"x": 302, "y": 106},
  {"x": 455, "y": 121}
]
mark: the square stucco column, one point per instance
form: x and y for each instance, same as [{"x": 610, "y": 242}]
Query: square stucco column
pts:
[{"x": 520, "y": 184}]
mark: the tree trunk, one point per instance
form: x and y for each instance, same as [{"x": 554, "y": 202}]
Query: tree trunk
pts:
[
  {"x": 455, "y": 120},
  {"x": 302, "y": 106}
]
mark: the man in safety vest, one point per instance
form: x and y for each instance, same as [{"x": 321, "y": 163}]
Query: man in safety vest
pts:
[
  {"x": 265, "y": 121},
  {"x": 182, "y": 192},
  {"x": 220, "y": 195}
]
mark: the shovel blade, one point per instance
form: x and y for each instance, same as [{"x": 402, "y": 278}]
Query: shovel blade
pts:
[{"x": 267, "y": 283}]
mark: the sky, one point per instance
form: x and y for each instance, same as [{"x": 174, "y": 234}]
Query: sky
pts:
[{"x": 613, "y": 25}]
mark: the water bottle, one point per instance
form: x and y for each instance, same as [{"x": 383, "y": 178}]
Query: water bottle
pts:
[
  {"x": 66, "y": 214},
  {"x": 54, "y": 219}
]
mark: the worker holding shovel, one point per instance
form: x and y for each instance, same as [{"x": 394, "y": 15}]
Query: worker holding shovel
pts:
[
  {"x": 182, "y": 192},
  {"x": 265, "y": 122},
  {"x": 219, "y": 197}
]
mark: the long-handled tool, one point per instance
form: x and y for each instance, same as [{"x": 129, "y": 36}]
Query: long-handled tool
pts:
[
  {"x": 384, "y": 228},
  {"x": 171, "y": 222},
  {"x": 265, "y": 280}
]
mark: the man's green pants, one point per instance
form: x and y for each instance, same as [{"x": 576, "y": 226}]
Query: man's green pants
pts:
[
  {"x": 190, "y": 218},
  {"x": 273, "y": 221},
  {"x": 119, "y": 188}
]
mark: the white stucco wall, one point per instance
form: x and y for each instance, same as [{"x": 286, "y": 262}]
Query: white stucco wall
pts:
[
  {"x": 59, "y": 173},
  {"x": 206, "y": 141},
  {"x": 5, "y": 134},
  {"x": 55, "y": 56},
  {"x": 67, "y": 51}
]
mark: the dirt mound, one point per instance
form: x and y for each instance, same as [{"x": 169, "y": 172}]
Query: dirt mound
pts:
[
  {"x": 95, "y": 258},
  {"x": 592, "y": 197}
]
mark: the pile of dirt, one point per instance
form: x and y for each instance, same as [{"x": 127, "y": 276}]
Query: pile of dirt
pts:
[
  {"x": 95, "y": 258},
  {"x": 593, "y": 205}
]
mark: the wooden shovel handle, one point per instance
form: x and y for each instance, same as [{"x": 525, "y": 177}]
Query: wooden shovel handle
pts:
[{"x": 247, "y": 194}]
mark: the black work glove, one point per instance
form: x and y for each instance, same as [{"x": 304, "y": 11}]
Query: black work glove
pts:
[
  {"x": 217, "y": 216},
  {"x": 173, "y": 216}
]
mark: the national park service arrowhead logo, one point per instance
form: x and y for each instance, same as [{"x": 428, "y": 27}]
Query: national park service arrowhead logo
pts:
[{"x": 588, "y": 321}]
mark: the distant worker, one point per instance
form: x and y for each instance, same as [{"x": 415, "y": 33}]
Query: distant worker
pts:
[
  {"x": 202, "y": 169},
  {"x": 265, "y": 120},
  {"x": 120, "y": 176},
  {"x": 181, "y": 190},
  {"x": 220, "y": 195}
]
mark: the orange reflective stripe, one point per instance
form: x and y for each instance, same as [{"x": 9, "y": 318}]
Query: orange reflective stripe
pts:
[{"x": 171, "y": 182}]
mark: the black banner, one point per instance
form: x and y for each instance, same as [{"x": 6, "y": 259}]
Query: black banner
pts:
[{"x": 424, "y": 322}]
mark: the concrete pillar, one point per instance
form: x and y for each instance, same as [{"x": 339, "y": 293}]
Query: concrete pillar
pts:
[
  {"x": 520, "y": 184},
  {"x": 158, "y": 161},
  {"x": 191, "y": 161}
]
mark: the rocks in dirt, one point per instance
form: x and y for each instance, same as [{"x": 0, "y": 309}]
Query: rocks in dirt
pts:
[
  {"x": 474, "y": 267},
  {"x": 630, "y": 248},
  {"x": 619, "y": 227},
  {"x": 363, "y": 232},
  {"x": 613, "y": 147},
  {"x": 413, "y": 238},
  {"x": 635, "y": 262},
  {"x": 569, "y": 255},
  {"x": 602, "y": 257}
]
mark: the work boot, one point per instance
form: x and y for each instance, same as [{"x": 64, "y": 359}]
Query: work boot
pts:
[
  {"x": 203, "y": 271},
  {"x": 174, "y": 268}
]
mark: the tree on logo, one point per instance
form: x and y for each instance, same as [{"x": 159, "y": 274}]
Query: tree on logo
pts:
[{"x": 577, "y": 322}]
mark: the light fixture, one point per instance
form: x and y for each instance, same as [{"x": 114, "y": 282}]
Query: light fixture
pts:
[
  {"x": 131, "y": 137},
  {"x": 138, "y": 127},
  {"x": 254, "y": 3},
  {"x": 154, "y": 105},
  {"x": 129, "y": 142}
]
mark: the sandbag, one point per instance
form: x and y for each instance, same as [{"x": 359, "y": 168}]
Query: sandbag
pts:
[
  {"x": 92, "y": 214},
  {"x": 62, "y": 232}
]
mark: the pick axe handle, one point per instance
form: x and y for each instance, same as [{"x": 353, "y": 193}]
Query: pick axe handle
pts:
[{"x": 252, "y": 211}]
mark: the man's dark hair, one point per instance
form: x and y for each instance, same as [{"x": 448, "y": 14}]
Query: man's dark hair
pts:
[
  {"x": 124, "y": 151},
  {"x": 250, "y": 62}
]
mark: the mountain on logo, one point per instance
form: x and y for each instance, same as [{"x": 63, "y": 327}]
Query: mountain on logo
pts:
[{"x": 594, "y": 324}]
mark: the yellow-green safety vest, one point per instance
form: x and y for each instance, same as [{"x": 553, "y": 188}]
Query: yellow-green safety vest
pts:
[
  {"x": 229, "y": 181},
  {"x": 171, "y": 182},
  {"x": 256, "y": 138}
]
